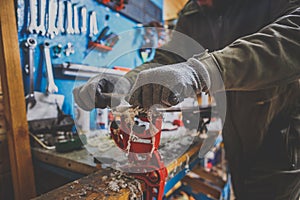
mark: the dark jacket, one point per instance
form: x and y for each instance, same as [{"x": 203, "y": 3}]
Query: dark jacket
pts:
[{"x": 255, "y": 45}]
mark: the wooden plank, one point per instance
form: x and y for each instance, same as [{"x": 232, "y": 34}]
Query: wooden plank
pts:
[
  {"x": 199, "y": 186},
  {"x": 91, "y": 187},
  {"x": 65, "y": 160},
  {"x": 182, "y": 159},
  {"x": 213, "y": 178},
  {"x": 14, "y": 110}
]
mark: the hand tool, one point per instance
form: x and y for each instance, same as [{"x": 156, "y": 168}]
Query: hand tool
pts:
[
  {"x": 93, "y": 24},
  {"x": 99, "y": 39},
  {"x": 52, "y": 11},
  {"x": 76, "y": 21},
  {"x": 83, "y": 20},
  {"x": 104, "y": 41},
  {"x": 70, "y": 29},
  {"x": 111, "y": 39},
  {"x": 80, "y": 70},
  {"x": 61, "y": 16},
  {"x": 42, "y": 9},
  {"x": 30, "y": 99},
  {"x": 69, "y": 49},
  {"x": 102, "y": 35},
  {"x": 51, "y": 87},
  {"x": 33, "y": 16}
]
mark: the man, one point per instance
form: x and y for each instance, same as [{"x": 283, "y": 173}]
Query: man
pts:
[{"x": 254, "y": 45}]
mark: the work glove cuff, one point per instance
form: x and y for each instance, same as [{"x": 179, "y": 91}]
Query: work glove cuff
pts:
[
  {"x": 208, "y": 68},
  {"x": 202, "y": 74}
]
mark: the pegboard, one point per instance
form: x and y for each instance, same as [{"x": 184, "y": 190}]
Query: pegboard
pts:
[{"x": 126, "y": 47}]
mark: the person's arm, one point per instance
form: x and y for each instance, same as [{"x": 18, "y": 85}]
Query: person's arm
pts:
[
  {"x": 100, "y": 90},
  {"x": 264, "y": 59}
]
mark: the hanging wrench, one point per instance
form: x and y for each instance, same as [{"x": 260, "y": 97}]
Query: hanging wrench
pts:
[
  {"x": 52, "y": 11},
  {"x": 33, "y": 16},
  {"x": 93, "y": 24},
  {"x": 30, "y": 99},
  {"x": 70, "y": 29},
  {"x": 83, "y": 20},
  {"x": 61, "y": 16},
  {"x": 41, "y": 28},
  {"x": 76, "y": 22},
  {"x": 51, "y": 87}
]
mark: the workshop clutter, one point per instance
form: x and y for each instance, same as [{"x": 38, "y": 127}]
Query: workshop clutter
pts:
[
  {"x": 206, "y": 181},
  {"x": 200, "y": 184}
]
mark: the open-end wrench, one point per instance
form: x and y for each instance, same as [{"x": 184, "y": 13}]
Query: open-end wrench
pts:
[
  {"x": 52, "y": 11},
  {"x": 33, "y": 16},
  {"x": 83, "y": 20},
  {"x": 70, "y": 29},
  {"x": 93, "y": 24},
  {"x": 30, "y": 99},
  {"x": 76, "y": 21},
  {"x": 96, "y": 30},
  {"x": 51, "y": 87},
  {"x": 41, "y": 28},
  {"x": 61, "y": 16}
]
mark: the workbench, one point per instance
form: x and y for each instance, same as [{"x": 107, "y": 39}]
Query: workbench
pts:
[{"x": 82, "y": 163}]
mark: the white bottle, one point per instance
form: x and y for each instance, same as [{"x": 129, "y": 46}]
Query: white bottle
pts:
[
  {"x": 204, "y": 98},
  {"x": 102, "y": 118}
]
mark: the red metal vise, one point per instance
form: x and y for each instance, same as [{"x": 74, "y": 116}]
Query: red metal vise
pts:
[{"x": 145, "y": 161}]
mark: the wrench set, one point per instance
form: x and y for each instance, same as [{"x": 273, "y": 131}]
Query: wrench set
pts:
[
  {"x": 48, "y": 19},
  {"x": 51, "y": 17}
]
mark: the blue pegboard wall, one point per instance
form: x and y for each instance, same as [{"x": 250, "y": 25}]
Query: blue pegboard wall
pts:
[{"x": 123, "y": 53}]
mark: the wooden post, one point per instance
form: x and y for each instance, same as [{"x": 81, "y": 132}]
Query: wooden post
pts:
[{"x": 14, "y": 104}]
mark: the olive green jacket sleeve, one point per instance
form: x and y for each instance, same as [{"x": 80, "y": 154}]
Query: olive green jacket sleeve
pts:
[
  {"x": 264, "y": 59},
  {"x": 258, "y": 61}
]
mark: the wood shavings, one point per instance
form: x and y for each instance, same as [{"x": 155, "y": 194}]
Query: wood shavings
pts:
[
  {"x": 113, "y": 186},
  {"x": 128, "y": 116},
  {"x": 118, "y": 181},
  {"x": 152, "y": 128},
  {"x": 104, "y": 178}
]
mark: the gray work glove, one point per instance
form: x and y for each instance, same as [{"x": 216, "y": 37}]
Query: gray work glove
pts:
[
  {"x": 170, "y": 84},
  {"x": 101, "y": 91}
]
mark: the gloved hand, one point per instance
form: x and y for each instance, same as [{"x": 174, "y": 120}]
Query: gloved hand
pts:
[
  {"x": 100, "y": 91},
  {"x": 170, "y": 84}
]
